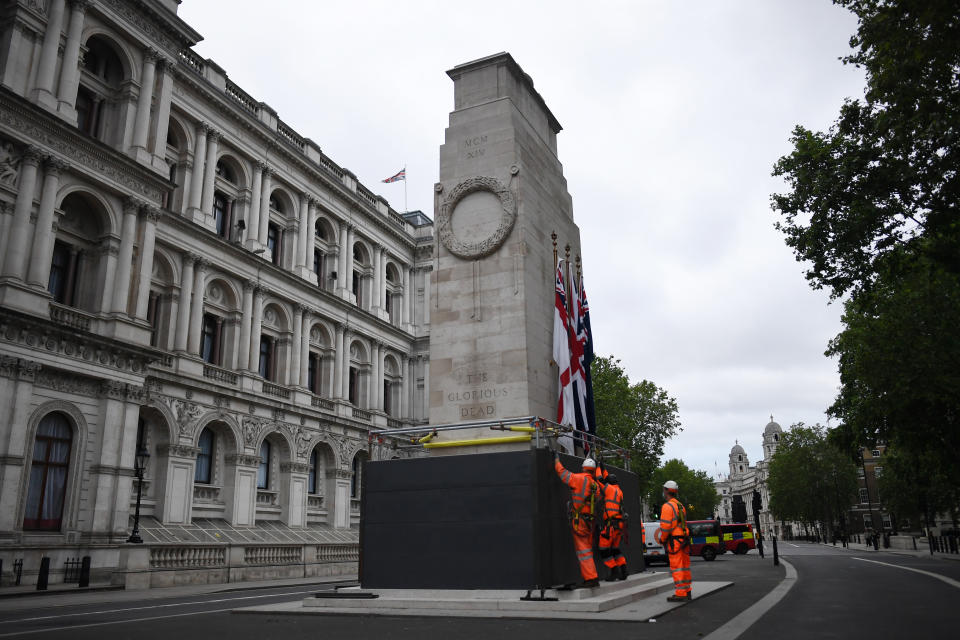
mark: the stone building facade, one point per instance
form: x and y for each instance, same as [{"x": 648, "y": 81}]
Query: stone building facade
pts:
[
  {"x": 744, "y": 479},
  {"x": 181, "y": 271}
]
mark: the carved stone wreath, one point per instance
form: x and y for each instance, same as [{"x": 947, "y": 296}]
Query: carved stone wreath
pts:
[{"x": 474, "y": 250}]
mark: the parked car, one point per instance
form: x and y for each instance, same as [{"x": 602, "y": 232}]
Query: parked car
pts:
[
  {"x": 738, "y": 537},
  {"x": 653, "y": 551},
  {"x": 705, "y": 539}
]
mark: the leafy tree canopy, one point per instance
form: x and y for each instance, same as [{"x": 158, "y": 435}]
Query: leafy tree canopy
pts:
[
  {"x": 696, "y": 490},
  {"x": 636, "y": 416},
  {"x": 810, "y": 480}
]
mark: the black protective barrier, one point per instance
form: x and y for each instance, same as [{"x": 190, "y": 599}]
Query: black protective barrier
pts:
[{"x": 483, "y": 521}]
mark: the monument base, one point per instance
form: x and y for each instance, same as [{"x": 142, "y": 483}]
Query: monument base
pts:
[{"x": 484, "y": 521}]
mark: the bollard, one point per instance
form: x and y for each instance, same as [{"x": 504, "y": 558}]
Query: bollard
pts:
[
  {"x": 776, "y": 555},
  {"x": 85, "y": 572},
  {"x": 44, "y": 574}
]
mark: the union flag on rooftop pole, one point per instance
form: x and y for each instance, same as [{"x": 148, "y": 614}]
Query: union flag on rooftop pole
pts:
[{"x": 561, "y": 356}]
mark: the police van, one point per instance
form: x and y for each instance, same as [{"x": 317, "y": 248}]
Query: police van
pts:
[
  {"x": 738, "y": 537},
  {"x": 705, "y": 539}
]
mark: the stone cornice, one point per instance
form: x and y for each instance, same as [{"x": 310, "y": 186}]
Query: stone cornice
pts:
[
  {"x": 22, "y": 121},
  {"x": 154, "y": 22},
  {"x": 42, "y": 334}
]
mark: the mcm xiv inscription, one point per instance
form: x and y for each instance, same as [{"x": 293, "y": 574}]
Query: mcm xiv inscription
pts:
[{"x": 474, "y": 146}]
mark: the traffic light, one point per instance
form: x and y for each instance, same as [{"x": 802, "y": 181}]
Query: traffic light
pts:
[
  {"x": 757, "y": 505},
  {"x": 739, "y": 509}
]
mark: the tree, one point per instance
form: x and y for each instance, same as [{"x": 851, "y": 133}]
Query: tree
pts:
[
  {"x": 638, "y": 417},
  {"x": 913, "y": 491},
  {"x": 872, "y": 208},
  {"x": 696, "y": 490},
  {"x": 811, "y": 480}
]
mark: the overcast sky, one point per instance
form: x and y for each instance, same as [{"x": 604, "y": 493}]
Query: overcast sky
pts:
[{"x": 673, "y": 115}]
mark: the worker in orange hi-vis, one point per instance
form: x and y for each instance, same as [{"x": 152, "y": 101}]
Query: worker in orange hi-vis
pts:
[
  {"x": 674, "y": 535},
  {"x": 612, "y": 525},
  {"x": 585, "y": 492}
]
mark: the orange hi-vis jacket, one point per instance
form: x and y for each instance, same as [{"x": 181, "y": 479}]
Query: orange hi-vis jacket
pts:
[
  {"x": 673, "y": 521},
  {"x": 612, "y": 506},
  {"x": 583, "y": 488}
]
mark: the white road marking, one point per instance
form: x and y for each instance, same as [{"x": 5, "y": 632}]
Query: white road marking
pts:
[
  {"x": 793, "y": 545},
  {"x": 102, "y": 624},
  {"x": 942, "y": 578},
  {"x": 158, "y": 606},
  {"x": 734, "y": 628}
]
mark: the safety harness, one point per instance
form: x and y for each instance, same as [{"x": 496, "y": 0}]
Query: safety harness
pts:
[
  {"x": 586, "y": 496},
  {"x": 680, "y": 516}
]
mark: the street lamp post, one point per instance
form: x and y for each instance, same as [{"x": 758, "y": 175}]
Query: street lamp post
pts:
[{"x": 139, "y": 467}]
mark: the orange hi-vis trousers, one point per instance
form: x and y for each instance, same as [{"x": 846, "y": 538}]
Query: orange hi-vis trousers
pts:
[
  {"x": 610, "y": 547},
  {"x": 583, "y": 543},
  {"x": 680, "y": 568}
]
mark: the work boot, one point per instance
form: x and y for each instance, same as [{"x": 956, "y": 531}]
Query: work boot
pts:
[
  {"x": 613, "y": 574},
  {"x": 676, "y": 598},
  {"x": 589, "y": 584},
  {"x": 623, "y": 572}
]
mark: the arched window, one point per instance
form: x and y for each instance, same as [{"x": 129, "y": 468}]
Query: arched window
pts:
[
  {"x": 312, "y": 477},
  {"x": 355, "y": 478},
  {"x": 740, "y": 459},
  {"x": 204, "y": 471},
  {"x": 263, "y": 471},
  {"x": 741, "y": 467},
  {"x": 48, "y": 474}
]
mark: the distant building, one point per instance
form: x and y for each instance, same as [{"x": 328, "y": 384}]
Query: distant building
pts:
[{"x": 744, "y": 479}]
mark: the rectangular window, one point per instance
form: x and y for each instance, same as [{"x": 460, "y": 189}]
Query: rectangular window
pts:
[
  {"x": 387, "y": 403},
  {"x": 859, "y": 472},
  {"x": 354, "y": 384},
  {"x": 210, "y": 339},
  {"x": 265, "y": 368},
  {"x": 355, "y": 286},
  {"x": 877, "y": 472},
  {"x": 312, "y": 476},
  {"x": 887, "y": 523},
  {"x": 221, "y": 215},
  {"x": 153, "y": 312},
  {"x": 390, "y": 306},
  {"x": 204, "y": 470},
  {"x": 273, "y": 243},
  {"x": 318, "y": 265},
  {"x": 263, "y": 469},
  {"x": 875, "y": 453},
  {"x": 868, "y": 521},
  {"x": 864, "y": 496},
  {"x": 59, "y": 268},
  {"x": 313, "y": 373}
]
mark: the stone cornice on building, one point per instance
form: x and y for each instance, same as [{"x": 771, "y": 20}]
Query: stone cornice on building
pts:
[
  {"x": 43, "y": 335},
  {"x": 22, "y": 121},
  {"x": 153, "y": 22}
]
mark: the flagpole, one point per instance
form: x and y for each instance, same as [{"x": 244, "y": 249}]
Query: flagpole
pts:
[
  {"x": 553, "y": 236},
  {"x": 405, "y": 207}
]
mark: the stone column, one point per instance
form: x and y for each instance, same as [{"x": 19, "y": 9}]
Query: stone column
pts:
[
  {"x": 337, "y": 391},
  {"x": 376, "y": 370},
  {"x": 196, "y": 305},
  {"x": 141, "y": 124},
  {"x": 348, "y": 267},
  {"x": 342, "y": 259},
  {"x": 210, "y": 172},
  {"x": 121, "y": 296},
  {"x": 375, "y": 302},
  {"x": 253, "y": 217},
  {"x": 407, "y": 295},
  {"x": 14, "y": 261},
  {"x": 293, "y": 363},
  {"x": 256, "y": 323},
  {"x": 265, "y": 189},
  {"x": 46, "y": 68},
  {"x": 311, "y": 234},
  {"x": 178, "y": 489},
  {"x": 151, "y": 215},
  {"x": 382, "y": 273},
  {"x": 186, "y": 294},
  {"x": 163, "y": 116},
  {"x": 406, "y": 380},
  {"x": 339, "y": 512},
  {"x": 305, "y": 350},
  {"x": 42, "y": 251},
  {"x": 240, "y": 489},
  {"x": 345, "y": 366},
  {"x": 293, "y": 489},
  {"x": 109, "y": 249},
  {"x": 245, "y": 322},
  {"x": 16, "y": 398},
  {"x": 70, "y": 68},
  {"x": 300, "y": 260},
  {"x": 196, "y": 178}
]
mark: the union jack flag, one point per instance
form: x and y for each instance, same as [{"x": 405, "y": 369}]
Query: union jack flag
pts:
[{"x": 398, "y": 176}]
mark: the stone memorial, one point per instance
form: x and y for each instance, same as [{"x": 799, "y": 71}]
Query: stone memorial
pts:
[{"x": 500, "y": 195}]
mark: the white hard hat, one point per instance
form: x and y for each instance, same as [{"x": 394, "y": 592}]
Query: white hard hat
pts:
[
  {"x": 589, "y": 464},
  {"x": 670, "y": 485}
]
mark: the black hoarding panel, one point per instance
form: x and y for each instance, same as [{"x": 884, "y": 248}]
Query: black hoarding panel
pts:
[{"x": 484, "y": 521}]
